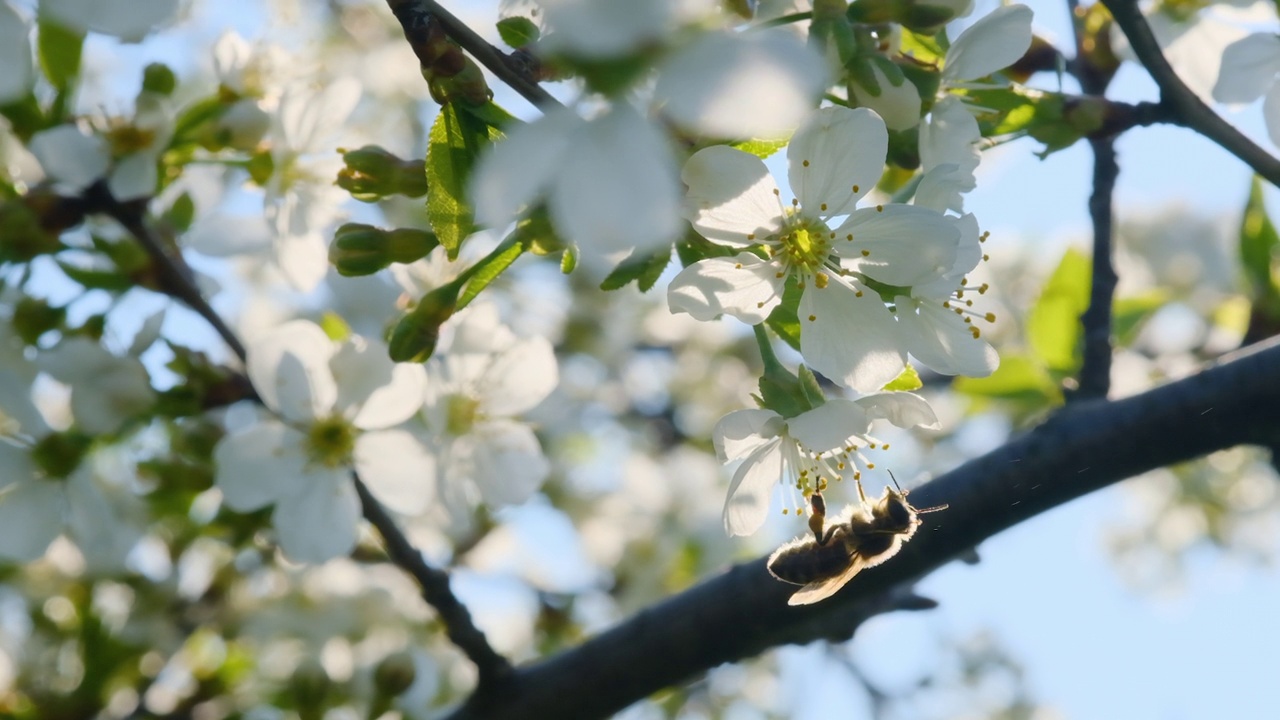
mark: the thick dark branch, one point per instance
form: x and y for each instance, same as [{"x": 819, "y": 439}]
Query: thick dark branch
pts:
[
  {"x": 1190, "y": 110},
  {"x": 492, "y": 667},
  {"x": 416, "y": 15},
  {"x": 1095, "y": 372},
  {"x": 743, "y": 612}
]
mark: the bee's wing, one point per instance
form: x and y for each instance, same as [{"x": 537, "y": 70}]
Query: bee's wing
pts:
[{"x": 823, "y": 589}]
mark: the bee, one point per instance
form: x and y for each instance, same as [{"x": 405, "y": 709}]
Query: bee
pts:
[{"x": 866, "y": 535}]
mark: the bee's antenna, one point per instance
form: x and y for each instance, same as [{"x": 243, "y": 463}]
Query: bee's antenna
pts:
[
  {"x": 895, "y": 483},
  {"x": 935, "y": 508}
]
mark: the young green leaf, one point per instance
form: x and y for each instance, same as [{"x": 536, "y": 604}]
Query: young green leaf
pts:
[
  {"x": 455, "y": 142},
  {"x": 1053, "y": 325},
  {"x": 59, "y": 48},
  {"x": 518, "y": 32},
  {"x": 642, "y": 268}
]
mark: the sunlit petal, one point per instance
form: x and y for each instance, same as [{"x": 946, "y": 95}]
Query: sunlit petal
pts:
[
  {"x": 731, "y": 197},
  {"x": 830, "y": 425},
  {"x": 398, "y": 469},
  {"x": 848, "y": 338},
  {"x": 898, "y": 244},
  {"x": 745, "y": 287},
  {"x": 319, "y": 523},
  {"x": 835, "y": 158}
]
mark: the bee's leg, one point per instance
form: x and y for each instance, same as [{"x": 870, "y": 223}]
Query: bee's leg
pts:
[
  {"x": 862, "y": 495},
  {"x": 818, "y": 517}
]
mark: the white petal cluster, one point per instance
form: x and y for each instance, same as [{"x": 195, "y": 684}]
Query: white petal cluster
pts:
[
  {"x": 129, "y": 20},
  {"x": 804, "y": 453},
  {"x": 335, "y": 406},
  {"x": 620, "y": 162},
  {"x": 846, "y": 269},
  {"x": 106, "y": 389},
  {"x": 1250, "y": 67}
]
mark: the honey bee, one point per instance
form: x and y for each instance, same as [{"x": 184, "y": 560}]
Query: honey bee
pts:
[{"x": 866, "y": 535}]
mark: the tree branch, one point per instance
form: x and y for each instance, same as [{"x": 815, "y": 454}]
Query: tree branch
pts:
[
  {"x": 415, "y": 17},
  {"x": 1094, "y": 380},
  {"x": 1189, "y": 109},
  {"x": 743, "y": 612},
  {"x": 492, "y": 667}
]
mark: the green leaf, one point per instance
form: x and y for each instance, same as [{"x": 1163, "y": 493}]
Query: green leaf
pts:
[
  {"x": 924, "y": 49},
  {"x": 1019, "y": 377},
  {"x": 642, "y": 268},
  {"x": 1131, "y": 313},
  {"x": 785, "y": 320},
  {"x": 59, "y": 49},
  {"x": 491, "y": 114},
  {"x": 761, "y": 148},
  {"x": 488, "y": 270},
  {"x": 454, "y": 144},
  {"x": 1053, "y": 325},
  {"x": 905, "y": 382},
  {"x": 518, "y": 32},
  {"x": 181, "y": 213},
  {"x": 1260, "y": 250},
  {"x": 110, "y": 280}
]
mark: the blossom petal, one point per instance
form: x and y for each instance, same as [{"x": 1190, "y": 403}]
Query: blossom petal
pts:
[
  {"x": 398, "y": 469},
  {"x": 31, "y": 517},
  {"x": 603, "y": 28},
  {"x": 848, "y": 338},
  {"x": 15, "y": 55},
  {"x": 1271, "y": 113},
  {"x": 898, "y": 105},
  {"x": 993, "y": 43},
  {"x": 898, "y": 244},
  {"x": 747, "y": 504},
  {"x": 16, "y": 464},
  {"x": 382, "y": 392},
  {"x": 309, "y": 117},
  {"x": 904, "y": 409},
  {"x": 618, "y": 189},
  {"x": 741, "y": 85},
  {"x": 951, "y": 136},
  {"x": 518, "y": 169},
  {"x": 1249, "y": 68},
  {"x": 942, "y": 188},
  {"x": 745, "y": 287},
  {"x": 520, "y": 378},
  {"x": 134, "y": 177},
  {"x": 731, "y": 197},
  {"x": 70, "y": 156},
  {"x": 96, "y": 523},
  {"x": 303, "y": 258},
  {"x": 289, "y": 367},
  {"x": 830, "y": 425},
  {"x": 259, "y": 465},
  {"x": 319, "y": 523},
  {"x": 508, "y": 462},
  {"x": 942, "y": 340},
  {"x": 129, "y": 20},
  {"x": 835, "y": 158},
  {"x": 742, "y": 432}
]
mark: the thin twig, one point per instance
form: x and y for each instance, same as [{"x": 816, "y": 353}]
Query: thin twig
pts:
[
  {"x": 176, "y": 279},
  {"x": 1190, "y": 110},
  {"x": 414, "y": 16},
  {"x": 492, "y": 667},
  {"x": 1094, "y": 380},
  {"x": 173, "y": 274}
]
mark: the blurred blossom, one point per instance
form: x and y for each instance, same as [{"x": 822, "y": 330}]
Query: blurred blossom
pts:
[
  {"x": 302, "y": 199},
  {"x": 129, "y": 20},
  {"x": 106, "y": 389},
  {"x": 477, "y": 384},
  {"x": 16, "y": 72},
  {"x": 834, "y": 160},
  {"x": 1249, "y": 69},
  {"x": 35, "y": 509},
  {"x": 804, "y": 453},
  {"x": 336, "y": 405},
  {"x": 125, "y": 152},
  {"x": 18, "y": 412},
  {"x": 610, "y": 182}
]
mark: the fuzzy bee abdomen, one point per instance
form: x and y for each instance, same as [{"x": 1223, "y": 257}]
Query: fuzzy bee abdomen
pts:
[{"x": 801, "y": 562}]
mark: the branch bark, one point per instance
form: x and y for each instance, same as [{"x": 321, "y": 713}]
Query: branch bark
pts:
[
  {"x": 743, "y": 612},
  {"x": 1185, "y": 104}
]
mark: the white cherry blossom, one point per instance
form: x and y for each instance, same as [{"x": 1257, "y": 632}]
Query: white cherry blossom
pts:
[
  {"x": 129, "y": 20},
  {"x": 1249, "y": 71},
  {"x": 803, "y": 453},
  {"x": 835, "y": 158},
  {"x": 106, "y": 389},
  {"x": 475, "y": 390},
  {"x": 15, "y": 54},
  {"x": 336, "y": 407}
]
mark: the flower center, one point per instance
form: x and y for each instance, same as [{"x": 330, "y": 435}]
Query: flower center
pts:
[
  {"x": 804, "y": 244},
  {"x": 331, "y": 442},
  {"x": 461, "y": 414}
]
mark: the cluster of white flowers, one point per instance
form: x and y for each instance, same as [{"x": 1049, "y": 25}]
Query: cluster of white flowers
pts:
[
  {"x": 876, "y": 283},
  {"x": 413, "y": 434}
]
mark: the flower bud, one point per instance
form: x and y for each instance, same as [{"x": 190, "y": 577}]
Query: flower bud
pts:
[
  {"x": 372, "y": 173},
  {"x": 158, "y": 78},
  {"x": 394, "y": 674},
  {"x": 877, "y": 83},
  {"x": 414, "y": 337},
  {"x": 360, "y": 249}
]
